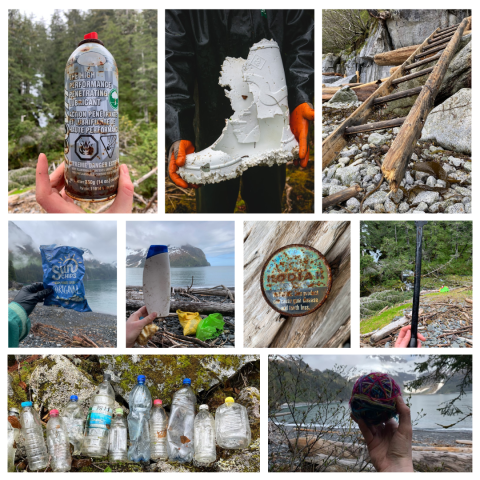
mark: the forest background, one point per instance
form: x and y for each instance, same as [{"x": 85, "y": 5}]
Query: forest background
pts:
[
  {"x": 37, "y": 54},
  {"x": 387, "y": 254}
]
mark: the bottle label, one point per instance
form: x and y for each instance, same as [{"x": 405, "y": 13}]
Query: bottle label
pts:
[{"x": 99, "y": 416}]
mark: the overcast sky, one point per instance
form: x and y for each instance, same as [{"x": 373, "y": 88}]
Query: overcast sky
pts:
[
  {"x": 99, "y": 237},
  {"x": 403, "y": 363},
  {"x": 216, "y": 239}
]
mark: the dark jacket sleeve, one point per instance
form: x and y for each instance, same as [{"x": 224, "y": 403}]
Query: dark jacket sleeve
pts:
[
  {"x": 298, "y": 57},
  {"x": 179, "y": 77}
]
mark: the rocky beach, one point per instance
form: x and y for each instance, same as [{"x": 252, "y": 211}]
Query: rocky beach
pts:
[{"x": 56, "y": 327}]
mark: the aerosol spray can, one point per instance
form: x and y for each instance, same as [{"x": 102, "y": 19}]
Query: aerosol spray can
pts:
[{"x": 91, "y": 147}]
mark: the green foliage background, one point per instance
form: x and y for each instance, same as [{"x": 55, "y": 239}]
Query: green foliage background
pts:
[
  {"x": 442, "y": 242},
  {"x": 37, "y": 55}
]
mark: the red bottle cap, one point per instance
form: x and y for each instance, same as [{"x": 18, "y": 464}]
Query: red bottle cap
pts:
[
  {"x": 54, "y": 413},
  {"x": 93, "y": 35},
  {"x": 157, "y": 402}
]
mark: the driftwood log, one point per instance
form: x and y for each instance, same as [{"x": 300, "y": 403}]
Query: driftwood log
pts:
[
  {"x": 400, "y": 55},
  {"x": 387, "y": 330},
  {"x": 442, "y": 461},
  {"x": 401, "y": 150},
  {"x": 264, "y": 327},
  {"x": 200, "y": 307},
  {"x": 341, "y": 196}
]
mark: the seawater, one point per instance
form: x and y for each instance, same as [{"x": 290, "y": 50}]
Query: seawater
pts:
[
  {"x": 331, "y": 415},
  {"x": 102, "y": 295},
  {"x": 182, "y": 277}
]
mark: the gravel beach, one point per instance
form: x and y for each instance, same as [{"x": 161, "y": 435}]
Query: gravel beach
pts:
[{"x": 96, "y": 326}]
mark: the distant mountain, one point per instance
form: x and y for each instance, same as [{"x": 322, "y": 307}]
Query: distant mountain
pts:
[
  {"x": 184, "y": 256},
  {"x": 25, "y": 261}
]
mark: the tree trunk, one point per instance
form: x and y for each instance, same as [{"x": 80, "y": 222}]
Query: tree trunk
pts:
[{"x": 263, "y": 326}]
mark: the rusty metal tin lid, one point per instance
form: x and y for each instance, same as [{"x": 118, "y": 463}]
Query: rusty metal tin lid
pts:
[{"x": 296, "y": 280}]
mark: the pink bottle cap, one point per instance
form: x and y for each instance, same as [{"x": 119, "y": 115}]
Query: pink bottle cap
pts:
[
  {"x": 157, "y": 402},
  {"x": 54, "y": 413}
]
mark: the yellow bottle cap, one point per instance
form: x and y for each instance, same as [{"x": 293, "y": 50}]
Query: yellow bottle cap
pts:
[{"x": 229, "y": 400}]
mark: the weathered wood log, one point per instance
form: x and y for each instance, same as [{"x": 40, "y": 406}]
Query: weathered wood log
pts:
[
  {"x": 401, "y": 150},
  {"x": 331, "y": 74},
  {"x": 337, "y": 140},
  {"x": 263, "y": 326},
  {"x": 396, "y": 96},
  {"x": 447, "y": 29},
  {"x": 388, "y": 329},
  {"x": 442, "y": 461},
  {"x": 335, "y": 463},
  {"x": 411, "y": 76},
  {"x": 441, "y": 37},
  {"x": 370, "y": 127},
  {"x": 430, "y": 52},
  {"x": 394, "y": 57},
  {"x": 341, "y": 196},
  {"x": 369, "y": 334},
  {"x": 226, "y": 308},
  {"x": 422, "y": 62},
  {"x": 464, "y": 442},
  {"x": 469, "y": 300}
]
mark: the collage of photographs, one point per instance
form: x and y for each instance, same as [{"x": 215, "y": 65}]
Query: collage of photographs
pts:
[{"x": 147, "y": 116}]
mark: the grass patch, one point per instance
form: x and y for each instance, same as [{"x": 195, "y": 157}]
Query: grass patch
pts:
[{"x": 21, "y": 190}]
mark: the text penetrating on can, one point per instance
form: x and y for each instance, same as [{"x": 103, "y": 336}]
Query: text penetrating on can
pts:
[
  {"x": 296, "y": 280},
  {"x": 91, "y": 147}
]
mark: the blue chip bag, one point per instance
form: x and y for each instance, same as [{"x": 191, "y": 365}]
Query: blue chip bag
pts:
[{"x": 63, "y": 270}]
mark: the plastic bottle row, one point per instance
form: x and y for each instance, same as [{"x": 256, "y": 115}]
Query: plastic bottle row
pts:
[{"x": 181, "y": 438}]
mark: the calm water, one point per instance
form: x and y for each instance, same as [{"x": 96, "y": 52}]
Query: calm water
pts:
[
  {"x": 429, "y": 404},
  {"x": 102, "y": 295},
  {"x": 182, "y": 277}
]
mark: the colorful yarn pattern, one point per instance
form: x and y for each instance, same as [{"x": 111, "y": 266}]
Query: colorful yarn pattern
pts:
[{"x": 374, "y": 398}]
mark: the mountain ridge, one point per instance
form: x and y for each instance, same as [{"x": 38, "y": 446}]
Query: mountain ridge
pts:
[{"x": 183, "y": 256}]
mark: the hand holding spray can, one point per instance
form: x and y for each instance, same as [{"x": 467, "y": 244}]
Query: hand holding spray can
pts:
[{"x": 91, "y": 148}]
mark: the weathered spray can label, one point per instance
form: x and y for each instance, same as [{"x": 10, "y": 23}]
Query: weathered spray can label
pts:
[
  {"x": 296, "y": 280},
  {"x": 91, "y": 124}
]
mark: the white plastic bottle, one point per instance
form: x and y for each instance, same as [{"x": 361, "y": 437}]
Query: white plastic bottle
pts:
[
  {"x": 58, "y": 443},
  {"x": 32, "y": 432},
  {"x": 156, "y": 281},
  {"x": 158, "y": 432},
  {"x": 232, "y": 426},
  {"x": 95, "y": 443},
  {"x": 73, "y": 420},
  {"x": 204, "y": 434},
  {"x": 180, "y": 426},
  {"x": 118, "y": 446}
]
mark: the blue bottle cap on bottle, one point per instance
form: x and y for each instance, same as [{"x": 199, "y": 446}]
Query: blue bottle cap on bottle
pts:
[
  {"x": 187, "y": 381},
  {"x": 26, "y": 404},
  {"x": 74, "y": 398},
  {"x": 141, "y": 379},
  {"x": 156, "y": 249}
]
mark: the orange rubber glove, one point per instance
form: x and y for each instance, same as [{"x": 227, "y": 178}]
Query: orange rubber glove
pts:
[
  {"x": 299, "y": 126},
  {"x": 178, "y": 154}
]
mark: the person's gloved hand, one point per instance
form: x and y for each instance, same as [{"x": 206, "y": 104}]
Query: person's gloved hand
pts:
[
  {"x": 299, "y": 126},
  {"x": 30, "y": 295},
  {"x": 390, "y": 444},
  {"x": 404, "y": 337},
  {"x": 177, "y": 156},
  {"x": 135, "y": 325},
  {"x": 52, "y": 197}
]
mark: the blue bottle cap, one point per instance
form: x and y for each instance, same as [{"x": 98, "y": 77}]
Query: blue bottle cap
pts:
[
  {"x": 26, "y": 404},
  {"x": 74, "y": 398},
  {"x": 141, "y": 379},
  {"x": 156, "y": 249},
  {"x": 187, "y": 381}
]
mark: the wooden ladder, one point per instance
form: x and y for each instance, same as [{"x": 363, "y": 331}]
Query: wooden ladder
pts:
[{"x": 443, "y": 44}]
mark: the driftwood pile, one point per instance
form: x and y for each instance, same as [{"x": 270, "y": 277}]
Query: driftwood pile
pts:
[
  {"x": 389, "y": 333},
  {"x": 353, "y": 456},
  {"x": 165, "y": 339},
  {"x": 77, "y": 340}
]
